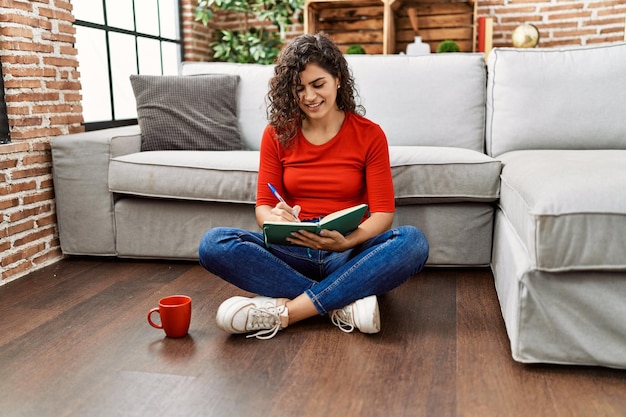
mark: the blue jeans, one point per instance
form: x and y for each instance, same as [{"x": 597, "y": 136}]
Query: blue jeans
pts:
[{"x": 331, "y": 279}]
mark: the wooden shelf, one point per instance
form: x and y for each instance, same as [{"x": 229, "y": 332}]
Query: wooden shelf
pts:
[
  {"x": 437, "y": 22},
  {"x": 384, "y": 26},
  {"x": 349, "y": 22}
]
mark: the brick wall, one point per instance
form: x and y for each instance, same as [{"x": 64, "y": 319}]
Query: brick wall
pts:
[
  {"x": 43, "y": 100},
  {"x": 560, "y": 22}
]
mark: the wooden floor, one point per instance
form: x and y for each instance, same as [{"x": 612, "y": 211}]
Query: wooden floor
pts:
[{"x": 74, "y": 341}]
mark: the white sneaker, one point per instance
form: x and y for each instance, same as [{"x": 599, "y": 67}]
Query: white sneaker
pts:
[
  {"x": 362, "y": 314},
  {"x": 264, "y": 315}
]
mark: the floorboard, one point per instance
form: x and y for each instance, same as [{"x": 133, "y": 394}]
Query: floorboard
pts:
[{"x": 74, "y": 341}]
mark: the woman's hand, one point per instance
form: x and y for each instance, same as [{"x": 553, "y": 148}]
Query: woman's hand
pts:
[
  {"x": 282, "y": 212},
  {"x": 328, "y": 240},
  {"x": 332, "y": 240}
]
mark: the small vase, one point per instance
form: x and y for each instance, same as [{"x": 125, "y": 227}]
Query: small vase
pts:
[{"x": 418, "y": 47}]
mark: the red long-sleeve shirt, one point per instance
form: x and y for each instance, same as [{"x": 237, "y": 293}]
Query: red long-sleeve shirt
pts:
[{"x": 352, "y": 168}]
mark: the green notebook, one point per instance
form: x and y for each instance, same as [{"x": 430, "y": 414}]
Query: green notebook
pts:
[{"x": 344, "y": 221}]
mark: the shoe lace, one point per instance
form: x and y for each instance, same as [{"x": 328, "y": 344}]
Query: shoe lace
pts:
[
  {"x": 342, "y": 318},
  {"x": 266, "y": 319}
]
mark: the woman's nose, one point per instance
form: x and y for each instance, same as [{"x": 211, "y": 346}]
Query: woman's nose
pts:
[{"x": 308, "y": 94}]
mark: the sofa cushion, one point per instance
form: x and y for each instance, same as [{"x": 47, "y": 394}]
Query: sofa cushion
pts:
[
  {"x": 556, "y": 99},
  {"x": 253, "y": 87},
  {"x": 568, "y": 207},
  {"x": 420, "y": 174},
  {"x": 424, "y": 174},
  {"x": 227, "y": 176},
  {"x": 434, "y": 99},
  {"x": 425, "y": 100},
  {"x": 187, "y": 113}
]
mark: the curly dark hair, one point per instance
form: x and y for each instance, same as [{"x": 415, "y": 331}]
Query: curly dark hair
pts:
[{"x": 283, "y": 111}]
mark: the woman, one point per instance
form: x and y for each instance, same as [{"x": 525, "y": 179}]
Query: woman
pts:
[{"x": 321, "y": 155}]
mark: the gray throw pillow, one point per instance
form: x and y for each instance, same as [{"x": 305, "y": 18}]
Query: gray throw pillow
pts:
[{"x": 196, "y": 112}]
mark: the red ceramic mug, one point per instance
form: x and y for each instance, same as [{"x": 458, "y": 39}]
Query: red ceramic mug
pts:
[{"x": 175, "y": 312}]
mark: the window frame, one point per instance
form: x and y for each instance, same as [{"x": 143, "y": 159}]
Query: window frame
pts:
[
  {"x": 104, "y": 124},
  {"x": 5, "y": 133}
]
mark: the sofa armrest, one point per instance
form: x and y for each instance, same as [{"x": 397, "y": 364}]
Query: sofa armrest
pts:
[
  {"x": 126, "y": 142},
  {"x": 84, "y": 204}
]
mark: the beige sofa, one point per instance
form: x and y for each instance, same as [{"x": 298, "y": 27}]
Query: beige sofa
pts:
[
  {"x": 114, "y": 200},
  {"x": 547, "y": 120},
  {"x": 557, "y": 121}
]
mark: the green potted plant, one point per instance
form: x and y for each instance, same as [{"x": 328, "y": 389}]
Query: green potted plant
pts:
[
  {"x": 355, "y": 50},
  {"x": 250, "y": 44},
  {"x": 448, "y": 46}
]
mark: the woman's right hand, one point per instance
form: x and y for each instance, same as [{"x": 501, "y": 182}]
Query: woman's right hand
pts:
[{"x": 282, "y": 212}]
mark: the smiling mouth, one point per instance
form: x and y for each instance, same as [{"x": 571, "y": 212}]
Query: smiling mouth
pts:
[{"x": 314, "y": 106}]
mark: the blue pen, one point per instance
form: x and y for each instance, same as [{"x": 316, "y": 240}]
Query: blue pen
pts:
[{"x": 282, "y": 200}]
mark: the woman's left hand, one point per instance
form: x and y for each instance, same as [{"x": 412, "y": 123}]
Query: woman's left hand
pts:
[
  {"x": 328, "y": 240},
  {"x": 332, "y": 240}
]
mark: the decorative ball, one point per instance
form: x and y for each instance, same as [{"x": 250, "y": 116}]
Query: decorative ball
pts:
[
  {"x": 448, "y": 46},
  {"x": 525, "y": 36}
]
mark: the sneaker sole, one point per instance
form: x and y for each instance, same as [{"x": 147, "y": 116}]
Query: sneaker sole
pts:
[{"x": 367, "y": 314}]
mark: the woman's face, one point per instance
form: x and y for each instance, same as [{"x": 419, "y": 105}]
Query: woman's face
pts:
[{"x": 317, "y": 92}]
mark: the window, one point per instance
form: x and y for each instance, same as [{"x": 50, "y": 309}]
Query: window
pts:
[
  {"x": 5, "y": 136},
  {"x": 117, "y": 38}
]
